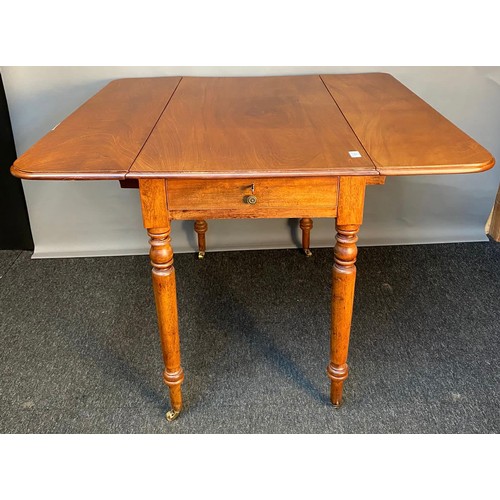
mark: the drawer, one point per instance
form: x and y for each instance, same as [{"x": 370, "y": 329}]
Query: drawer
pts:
[{"x": 296, "y": 194}]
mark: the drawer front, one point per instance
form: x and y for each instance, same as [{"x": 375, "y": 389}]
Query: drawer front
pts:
[{"x": 236, "y": 194}]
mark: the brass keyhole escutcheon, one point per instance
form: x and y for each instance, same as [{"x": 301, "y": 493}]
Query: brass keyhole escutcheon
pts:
[{"x": 251, "y": 199}]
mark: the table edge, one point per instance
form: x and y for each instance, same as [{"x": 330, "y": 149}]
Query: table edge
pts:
[
  {"x": 65, "y": 176},
  {"x": 471, "y": 168}
]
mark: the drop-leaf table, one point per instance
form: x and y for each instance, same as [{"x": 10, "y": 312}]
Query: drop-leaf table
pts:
[{"x": 262, "y": 147}]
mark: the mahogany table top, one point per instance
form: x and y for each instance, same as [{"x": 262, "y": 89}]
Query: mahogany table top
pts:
[{"x": 286, "y": 126}]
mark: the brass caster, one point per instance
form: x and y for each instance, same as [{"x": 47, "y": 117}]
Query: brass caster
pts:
[
  {"x": 172, "y": 415},
  {"x": 337, "y": 405},
  {"x": 201, "y": 255},
  {"x": 307, "y": 252}
]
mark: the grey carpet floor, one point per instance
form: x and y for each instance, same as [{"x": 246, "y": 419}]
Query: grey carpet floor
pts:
[{"x": 79, "y": 351}]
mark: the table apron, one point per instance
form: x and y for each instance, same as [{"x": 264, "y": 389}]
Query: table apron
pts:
[
  {"x": 256, "y": 213},
  {"x": 252, "y": 198}
]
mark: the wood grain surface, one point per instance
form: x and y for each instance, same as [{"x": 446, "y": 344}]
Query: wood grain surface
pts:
[
  {"x": 254, "y": 213},
  {"x": 349, "y": 219},
  {"x": 251, "y": 127},
  {"x": 195, "y": 194},
  {"x": 402, "y": 133},
  {"x": 102, "y": 138},
  {"x": 156, "y": 221},
  {"x": 285, "y": 126}
]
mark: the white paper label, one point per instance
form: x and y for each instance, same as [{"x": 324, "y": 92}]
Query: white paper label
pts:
[{"x": 354, "y": 154}]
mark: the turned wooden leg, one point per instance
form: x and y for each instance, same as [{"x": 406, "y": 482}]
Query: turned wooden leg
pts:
[
  {"x": 349, "y": 219},
  {"x": 306, "y": 226},
  {"x": 344, "y": 277},
  {"x": 200, "y": 226},
  {"x": 162, "y": 262}
]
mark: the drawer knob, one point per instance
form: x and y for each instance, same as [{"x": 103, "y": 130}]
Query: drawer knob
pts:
[{"x": 251, "y": 199}]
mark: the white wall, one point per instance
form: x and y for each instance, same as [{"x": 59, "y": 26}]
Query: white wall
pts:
[{"x": 98, "y": 218}]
